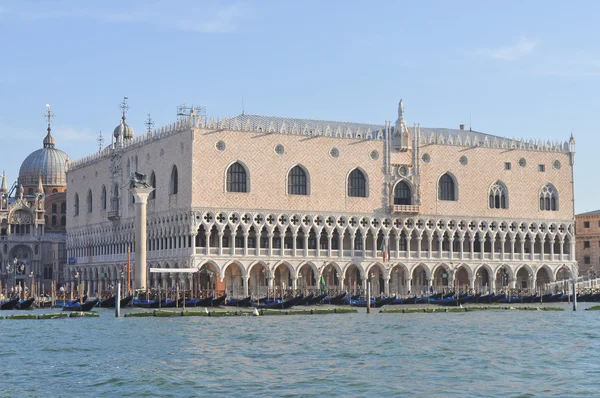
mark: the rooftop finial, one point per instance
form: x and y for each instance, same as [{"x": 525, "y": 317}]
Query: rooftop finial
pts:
[
  {"x": 124, "y": 107},
  {"x": 149, "y": 124},
  {"x": 4, "y": 187},
  {"x": 48, "y": 140},
  {"x": 100, "y": 141}
]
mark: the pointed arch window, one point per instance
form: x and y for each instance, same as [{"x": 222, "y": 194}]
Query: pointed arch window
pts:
[
  {"x": 357, "y": 184},
  {"x": 174, "y": 186},
  {"x": 63, "y": 207},
  {"x": 498, "y": 198},
  {"x": 89, "y": 201},
  {"x": 103, "y": 198},
  {"x": 152, "y": 195},
  {"x": 297, "y": 181},
  {"x": 548, "y": 198},
  {"x": 447, "y": 188},
  {"x": 236, "y": 178},
  {"x": 76, "y": 205},
  {"x": 402, "y": 194}
]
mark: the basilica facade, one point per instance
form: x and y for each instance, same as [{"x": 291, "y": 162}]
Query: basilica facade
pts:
[
  {"x": 33, "y": 220},
  {"x": 256, "y": 202}
]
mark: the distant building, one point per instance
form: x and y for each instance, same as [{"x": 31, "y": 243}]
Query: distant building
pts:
[
  {"x": 259, "y": 201},
  {"x": 33, "y": 219},
  {"x": 588, "y": 242}
]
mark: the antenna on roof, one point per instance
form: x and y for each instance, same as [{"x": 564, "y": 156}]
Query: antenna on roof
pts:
[
  {"x": 183, "y": 111},
  {"x": 470, "y": 122},
  {"x": 100, "y": 141}
]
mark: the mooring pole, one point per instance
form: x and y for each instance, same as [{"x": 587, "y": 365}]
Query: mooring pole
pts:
[
  {"x": 574, "y": 296},
  {"x": 368, "y": 297},
  {"x": 118, "y": 300}
]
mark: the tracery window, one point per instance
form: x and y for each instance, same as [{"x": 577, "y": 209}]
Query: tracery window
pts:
[
  {"x": 498, "y": 196},
  {"x": 76, "y": 205},
  {"x": 89, "y": 201},
  {"x": 357, "y": 184},
  {"x": 103, "y": 198},
  {"x": 548, "y": 198}
]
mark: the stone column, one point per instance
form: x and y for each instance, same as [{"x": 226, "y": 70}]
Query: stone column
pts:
[
  {"x": 352, "y": 244},
  {"x": 141, "y": 196},
  {"x": 419, "y": 239},
  {"x": 552, "y": 248},
  {"x": 374, "y": 252},
  {"x": 502, "y": 242},
  {"x": 207, "y": 240},
  {"x": 294, "y": 244},
  {"x": 522, "y": 248},
  {"x": 294, "y": 283},
  {"x": 562, "y": 248},
  {"x": 329, "y": 239},
  {"x": 220, "y": 249},
  {"x": 245, "y": 278},
  {"x": 462, "y": 246},
  {"x": 472, "y": 250},
  {"x": 341, "y": 245},
  {"x": 386, "y": 288},
  {"x": 512, "y": 247},
  {"x": 246, "y": 234},
  {"x": 482, "y": 248}
]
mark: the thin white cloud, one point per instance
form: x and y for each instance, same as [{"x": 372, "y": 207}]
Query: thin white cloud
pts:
[
  {"x": 70, "y": 134},
  {"x": 520, "y": 49},
  {"x": 205, "y": 20}
]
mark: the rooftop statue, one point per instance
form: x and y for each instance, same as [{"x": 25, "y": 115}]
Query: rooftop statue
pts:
[{"x": 139, "y": 180}]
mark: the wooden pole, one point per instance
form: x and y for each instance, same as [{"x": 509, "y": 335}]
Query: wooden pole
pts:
[
  {"x": 368, "y": 297},
  {"x": 128, "y": 268},
  {"x": 118, "y": 300}
]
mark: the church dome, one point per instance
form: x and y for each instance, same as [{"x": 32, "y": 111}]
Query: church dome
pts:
[
  {"x": 49, "y": 163},
  {"x": 123, "y": 129}
]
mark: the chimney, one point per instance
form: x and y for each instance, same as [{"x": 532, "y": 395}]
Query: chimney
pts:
[{"x": 461, "y": 126}]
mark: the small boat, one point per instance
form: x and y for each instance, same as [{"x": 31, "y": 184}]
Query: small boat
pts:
[
  {"x": 447, "y": 302},
  {"x": 375, "y": 303},
  {"x": 25, "y": 304},
  {"x": 317, "y": 300},
  {"x": 338, "y": 300},
  {"x": 145, "y": 303},
  {"x": 108, "y": 302},
  {"x": 281, "y": 305},
  {"x": 87, "y": 306},
  {"x": 306, "y": 299},
  {"x": 243, "y": 302},
  {"x": 409, "y": 300},
  {"x": 168, "y": 303},
  {"x": 9, "y": 304},
  {"x": 218, "y": 301}
]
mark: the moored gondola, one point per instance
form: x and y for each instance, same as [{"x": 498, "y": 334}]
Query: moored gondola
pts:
[
  {"x": 9, "y": 304},
  {"x": 306, "y": 299},
  {"x": 25, "y": 304},
  {"x": 87, "y": 306},
  {"x": 317, "y": 300},
  {"x": 285, "y": 304},
  {"x": 218, "y": 301},
  {"x": 243, "y": 302},
  {"x": 108, "y": 302},
  {"x": 337, "y": 300}
]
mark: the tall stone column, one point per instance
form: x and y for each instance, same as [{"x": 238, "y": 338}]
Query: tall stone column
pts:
[{"x": 141, "y": 198}]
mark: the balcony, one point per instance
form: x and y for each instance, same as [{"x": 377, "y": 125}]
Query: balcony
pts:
[
  {"x": 113, "y": 215},
  {"x": 408, "y": 209}
]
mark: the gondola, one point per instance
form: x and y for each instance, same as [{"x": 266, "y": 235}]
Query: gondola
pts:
[
  {"x": 87, "y": 306},
  {"x": 108, "y": 302},
  {"x": 25, "y": 304},
  {"x": 285, "y": 304},
  {"x": 306, "y": 299},
  {"x": 409, "y": 300},
  {"x": 338, "y": 300},
  {"x": 375, "y": 303},
  {"x": 447, "y": 302},
  {"x": 486, "y": 298},
  {"x": 542, "y": 299},
  {"x": 218, "y": 301},
  {"x": 145, "y": 303},
  {"x": 244, "y": 302},
  {"x": 9, "y": 305},
  {"x": 511, "y": 300},
  {"x": 317, "y": 300}
]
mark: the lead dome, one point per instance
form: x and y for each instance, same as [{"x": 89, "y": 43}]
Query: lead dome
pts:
[{"x": 48, "y": 162}]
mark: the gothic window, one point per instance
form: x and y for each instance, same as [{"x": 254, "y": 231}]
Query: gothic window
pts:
[
  {"x": 174, "y": 186},
  {"x": 47, "y": 272},
  {"x": 236, "y": 178},
  {"x": 53, "y": 220},
  {"x": 103, "y": 198},
  {"x": 76, "y": 205},
  {"x": 402, "y": 194},
  {"x": 357, "y": 184},
  {"x": 548, "y": 198},
  {"x": 152, "y": 195},
  {"x": 89, "y": 201},
  {"x": 358, "y": 243},
  {"x": 53, "y": 208},
  {"x": 63, "y": 207},
  {"x": 297, "y": 181},
  {"x": 498, "y": 196},
  {"x": 447, "y": 188},
  {"x": 128, "y": 168},
  {"x": 115, "y": 199}
]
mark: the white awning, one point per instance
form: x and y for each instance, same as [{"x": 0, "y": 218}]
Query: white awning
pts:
[{"x": 175, "y": 270}]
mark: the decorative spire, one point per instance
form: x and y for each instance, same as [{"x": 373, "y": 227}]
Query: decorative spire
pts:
[
  {"x": 40, "y": 187},
  {"x": 149, "y": 124},
  {"x": 100, "y": 141},
  {"x": 4, "y": 187},
  {"x": 124, "y": 108},
  {"x": 401, "y": 123},
  {"x": 49, "y": 140}
]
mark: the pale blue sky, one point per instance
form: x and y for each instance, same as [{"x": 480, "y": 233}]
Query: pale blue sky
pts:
[{"x": 518, "y": 69}]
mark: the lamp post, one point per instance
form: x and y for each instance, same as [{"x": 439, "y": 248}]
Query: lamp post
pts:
[{"x": 78, "y": 292}]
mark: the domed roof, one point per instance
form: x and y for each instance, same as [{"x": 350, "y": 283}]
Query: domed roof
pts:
[
  {"x": 49, "y": 163},
  {"x": 123, "y": 129}
]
